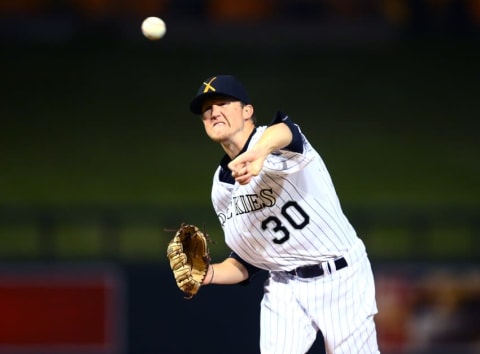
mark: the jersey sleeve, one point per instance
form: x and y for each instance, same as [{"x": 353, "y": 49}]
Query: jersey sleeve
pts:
[
  {"x": 252, "y": 270},
  {"x": 293, "y": 157},
  {"x": 297, "y": 141}
]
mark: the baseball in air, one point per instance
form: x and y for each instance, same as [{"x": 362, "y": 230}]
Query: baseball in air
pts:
[{"x": 153, "y": 28}]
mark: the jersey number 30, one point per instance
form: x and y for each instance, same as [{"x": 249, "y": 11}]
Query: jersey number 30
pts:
[{"x": 294, "y": 214}]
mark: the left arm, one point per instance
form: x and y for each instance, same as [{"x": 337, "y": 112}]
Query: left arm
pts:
[{"x": 249, "y": 164}]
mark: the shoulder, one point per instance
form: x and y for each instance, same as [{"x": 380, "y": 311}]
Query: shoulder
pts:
[
  {"x": 259, "y": 130},
  {"x": 298, "y": 139}
]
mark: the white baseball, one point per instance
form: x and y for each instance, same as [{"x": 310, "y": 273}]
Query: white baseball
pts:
[{"x": 153, "y": 28}]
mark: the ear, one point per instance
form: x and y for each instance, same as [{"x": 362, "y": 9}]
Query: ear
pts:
[{"x": 248, "y": 111}]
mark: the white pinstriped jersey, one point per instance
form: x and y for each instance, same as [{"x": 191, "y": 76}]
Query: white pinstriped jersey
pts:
[{"x": 287, "y": 216}]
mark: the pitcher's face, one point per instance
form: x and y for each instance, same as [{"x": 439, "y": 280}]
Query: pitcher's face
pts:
[{"x": 224, "y": 118}]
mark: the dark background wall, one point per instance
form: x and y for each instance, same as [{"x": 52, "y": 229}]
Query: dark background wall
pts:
[{"x": 99, "y": 153}]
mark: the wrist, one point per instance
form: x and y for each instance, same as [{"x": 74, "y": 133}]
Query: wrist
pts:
[{"x": 210, "y": 275}]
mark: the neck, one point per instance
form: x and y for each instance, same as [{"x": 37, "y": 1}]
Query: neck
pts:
[{"x": 233, "y": 146}]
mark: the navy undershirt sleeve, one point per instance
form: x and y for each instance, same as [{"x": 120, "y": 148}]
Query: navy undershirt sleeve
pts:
[{"x": 297, "y": 140}]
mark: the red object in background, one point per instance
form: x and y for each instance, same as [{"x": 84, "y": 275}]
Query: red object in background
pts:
[{"x": 60, "y": 311}]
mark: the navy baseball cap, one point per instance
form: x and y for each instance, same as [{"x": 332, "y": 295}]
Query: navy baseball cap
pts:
[{"x": 220, "y": 85}]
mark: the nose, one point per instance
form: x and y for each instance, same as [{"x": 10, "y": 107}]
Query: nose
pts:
[{"x": 215, "y": 109}]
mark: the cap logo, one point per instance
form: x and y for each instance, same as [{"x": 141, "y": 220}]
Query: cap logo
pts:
[{"x": 208, "y": 85}]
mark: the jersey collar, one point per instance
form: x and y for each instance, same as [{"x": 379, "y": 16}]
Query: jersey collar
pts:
[{"x": 225, "y": 173}]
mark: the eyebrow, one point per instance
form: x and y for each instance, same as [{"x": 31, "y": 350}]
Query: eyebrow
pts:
[{"x": 219, "y": 100}]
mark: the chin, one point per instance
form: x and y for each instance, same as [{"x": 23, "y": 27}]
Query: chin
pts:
[{"x": 217, "y": 138}]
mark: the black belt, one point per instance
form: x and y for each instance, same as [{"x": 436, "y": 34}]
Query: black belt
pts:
[{"x": 316, "y": 270}]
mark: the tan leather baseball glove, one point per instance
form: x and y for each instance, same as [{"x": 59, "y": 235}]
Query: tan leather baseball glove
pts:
[{"x": 189, "y": 258}]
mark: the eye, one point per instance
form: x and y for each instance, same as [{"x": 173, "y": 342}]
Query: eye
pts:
[{"x": 220, "y": 103}]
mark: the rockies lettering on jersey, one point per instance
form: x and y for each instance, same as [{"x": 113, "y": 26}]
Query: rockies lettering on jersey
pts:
[{"x": 248, "y": 203}]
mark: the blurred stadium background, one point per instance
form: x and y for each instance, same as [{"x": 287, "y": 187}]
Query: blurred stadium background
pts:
[{"x": 100, "y": 157}]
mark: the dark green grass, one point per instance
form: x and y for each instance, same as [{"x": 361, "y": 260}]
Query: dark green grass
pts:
[
  {"x": 85, "y": 123},
  {"x": 92, "y": 124}
]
